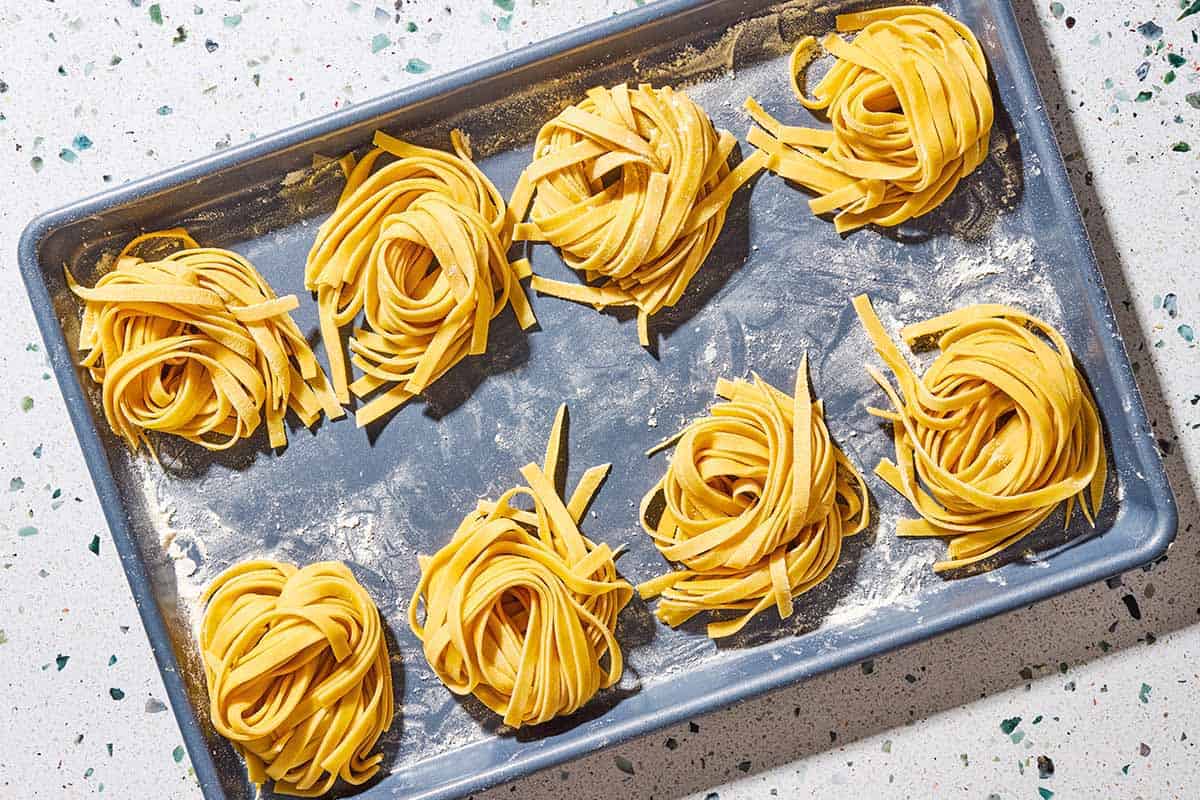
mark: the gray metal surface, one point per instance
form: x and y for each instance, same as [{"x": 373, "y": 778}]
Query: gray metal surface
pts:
[{"x": 777, "y": 284}]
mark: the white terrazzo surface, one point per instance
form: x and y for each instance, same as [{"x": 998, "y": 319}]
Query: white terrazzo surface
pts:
[{"x": 1112, "y": 701}]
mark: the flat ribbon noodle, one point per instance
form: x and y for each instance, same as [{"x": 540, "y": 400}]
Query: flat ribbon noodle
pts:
[
  {"x": 298, "y": 677},
  {"x": 756, "y": 501},
  {"x": 419, "y": 247},
  {"x": 910, "y": 108},
  {"x": 632, "y": 187},
  {"x": 520, "y": 607},
  {"x": 998, "y": 431},
  {"x": 196, "y": 344}
]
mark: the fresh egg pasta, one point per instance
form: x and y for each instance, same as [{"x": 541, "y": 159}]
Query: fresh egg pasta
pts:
[
  {"x": 632, "y": 187},
  {"x": 910, "y": 108},
  {"x": 297, "y": 670},
  {"x": 419, "y": 247},
  {"x": 754, "y": 506},
  {"x": 997, "y": 433},
  {"x": 196, "y": 344},
  {"x": 520, "y": 608}
]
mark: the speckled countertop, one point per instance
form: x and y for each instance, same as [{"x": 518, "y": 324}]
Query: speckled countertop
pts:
[{"x": 1092, "y": 694}]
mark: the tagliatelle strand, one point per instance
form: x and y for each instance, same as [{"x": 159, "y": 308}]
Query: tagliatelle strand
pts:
[
  {"x": 911, "y": 112},
  {"x": 195, "y": 343},
  {"x": 632, "y": 187},
  {"x": 756, "y": 502},
  {"x": 297, "y": 670},
  {"x": 419, "y": 247},
  {"x": 520, "y": 608},
  {"x": 996, "y": 434}
]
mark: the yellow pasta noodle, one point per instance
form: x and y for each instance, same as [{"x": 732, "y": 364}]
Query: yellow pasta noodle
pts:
[
  {"x": 632, "y": 186},
  {"x": 755, "y": 504},
  {"x": 196, "y": 344},
  {"x": 298, "y": 676},
  {"x": 419, "y": 246},
  {"x": 520, "y": 607},
  {"x": 911, "y": 112},
  {"x": 996, "y": 434}
]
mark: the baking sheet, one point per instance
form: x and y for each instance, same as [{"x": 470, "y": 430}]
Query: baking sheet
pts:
[{"x": 777, "y": 285}]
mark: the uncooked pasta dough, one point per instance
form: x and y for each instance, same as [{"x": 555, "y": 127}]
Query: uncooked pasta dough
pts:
[
  {"x": 754, "y": 506},
  {"x": 911, "y": 111},
  {"x": 419, "y": 246},
  {"x": 996, "y": 434},
  {"x": 298, "y": 676},
  {"x": 196, "y": 344},
  {"x": 520, "y": 607},
  {"x": 632, "y": 186}
]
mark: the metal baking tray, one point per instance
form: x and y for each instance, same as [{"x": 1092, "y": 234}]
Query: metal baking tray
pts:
[{"x": 777, "y": 284}]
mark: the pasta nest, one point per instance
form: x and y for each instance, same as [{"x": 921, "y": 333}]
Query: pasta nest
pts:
[
  {"x": 754, "y": 506},
  {"x": 632, "y": 187},
  {"x": 297, "y": 670},
  {"x": 196, "y": 344},
  {"x": 419, "y": 247},
  {"x": 520, "y": 607},
  {"x": 911, "y": 112},
  {"x": 996, "y": 434}
]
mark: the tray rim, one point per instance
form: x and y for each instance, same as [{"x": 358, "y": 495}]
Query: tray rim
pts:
[{"x": 1164, "y": 514}]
